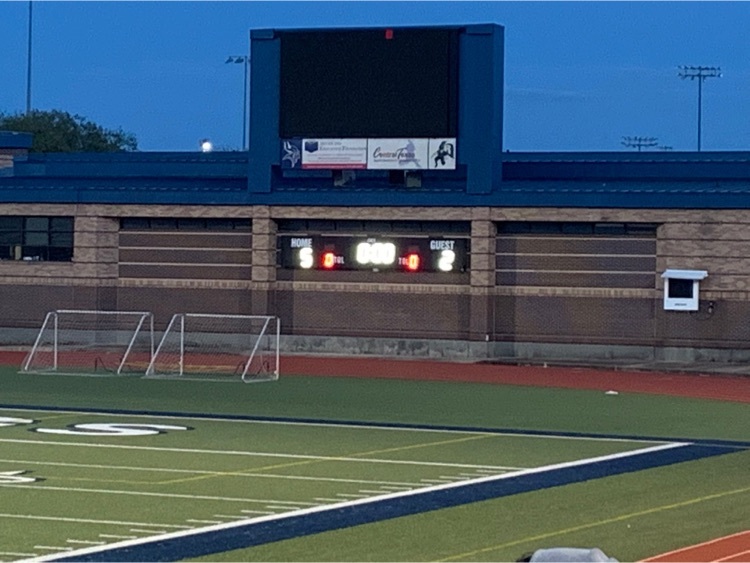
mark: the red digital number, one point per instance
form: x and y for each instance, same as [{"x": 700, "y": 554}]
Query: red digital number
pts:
[
  {"x": 329, "y": 260},
  {"x": 412, "y": 262}
]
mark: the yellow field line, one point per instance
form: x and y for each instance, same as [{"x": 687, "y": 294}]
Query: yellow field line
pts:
[
  {"x": 469, "y": 554},
  {"x": 311, "y": 461}
]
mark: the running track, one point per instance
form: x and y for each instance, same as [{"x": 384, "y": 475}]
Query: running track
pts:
[
  {"x": 719, "y": 387},
  {"x": 702, "y": 386},
  {"x": 734, "y": 548}
]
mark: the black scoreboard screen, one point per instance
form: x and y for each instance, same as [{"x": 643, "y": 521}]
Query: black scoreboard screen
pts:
[
  {"x": 319, "y": 252},
  {"x": 369, "y": 83}
]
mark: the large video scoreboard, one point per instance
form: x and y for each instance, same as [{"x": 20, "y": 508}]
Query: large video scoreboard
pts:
[
  {"x": 379, "y": 99},
  {"x": 352, "y": 108},
  {"x": 369, "y": 83}
]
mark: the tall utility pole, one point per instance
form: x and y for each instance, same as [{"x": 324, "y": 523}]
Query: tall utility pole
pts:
[
  {"x": 242, "y": 59},
  {"x": 699, "y": 73},
  {"x": 639, "y": 142},
  {"x": 28, "y": 64}
]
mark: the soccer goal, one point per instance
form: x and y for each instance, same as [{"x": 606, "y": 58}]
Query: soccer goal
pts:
[
  {"x": 92, "y": 342},
  {"x": 215, "y": 346}
]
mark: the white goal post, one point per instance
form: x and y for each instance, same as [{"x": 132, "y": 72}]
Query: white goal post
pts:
[
  {"x": 217, "y": 346},
  {"x": 92, "y": 342}
]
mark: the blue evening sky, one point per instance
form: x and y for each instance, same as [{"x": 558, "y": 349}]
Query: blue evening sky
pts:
[{"x": 578, "y": 75}]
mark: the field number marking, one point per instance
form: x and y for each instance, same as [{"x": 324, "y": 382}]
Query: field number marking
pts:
[
  {"x": 15, "y": 477},
  {"x": 111, "y": 429}
]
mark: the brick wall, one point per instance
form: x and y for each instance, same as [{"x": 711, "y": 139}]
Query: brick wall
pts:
[{"x": 238, "y": 274}]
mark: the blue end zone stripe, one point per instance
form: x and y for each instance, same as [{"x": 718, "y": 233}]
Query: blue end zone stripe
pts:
[{"x": 286, "y": 527}]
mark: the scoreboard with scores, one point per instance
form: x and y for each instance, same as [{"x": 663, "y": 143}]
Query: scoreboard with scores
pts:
[{"x": 404, "y": 254}]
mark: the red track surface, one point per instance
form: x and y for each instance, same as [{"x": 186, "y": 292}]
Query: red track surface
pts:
[
  {"x": 734, "y": 548},
  {"x": 720, "y": 387}
]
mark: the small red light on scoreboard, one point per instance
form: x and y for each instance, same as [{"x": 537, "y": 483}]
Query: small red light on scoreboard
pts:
[
  {"x": 329, "y": 260},
  {"x": 412, "y": 262},
  {"x": 389, "y": 34}
]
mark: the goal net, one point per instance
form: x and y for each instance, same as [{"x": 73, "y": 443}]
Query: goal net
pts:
[
  {"x": 227, "y": 347},
  {"x": 92, "y": 342}
]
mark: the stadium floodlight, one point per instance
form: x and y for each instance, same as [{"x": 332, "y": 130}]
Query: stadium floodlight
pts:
[
  {"x": 699, "y": 73},
  {"x": 639, "y": 142},
  {"x": 245, "y": 60},
  {"x": 206, "y": 145}
]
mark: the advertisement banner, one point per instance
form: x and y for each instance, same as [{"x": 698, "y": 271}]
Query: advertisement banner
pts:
[
  {"x": 397, "y": 154},
  {"x": 375, "y": 154},
  {"x": 350, "y": 154},
  {"x": 442, "y": 154}
]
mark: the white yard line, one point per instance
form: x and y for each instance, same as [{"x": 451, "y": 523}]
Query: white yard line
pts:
[
  {"x": 218, "y": 472},
  {"x": 249, "y": 454},
  {"x": 87, "y": 521},
  {"x": 363, "y": 501},
  {"x": 85, "y": 542},
  {"x": 373, "y": 426},
  {"x": 79, "y": 490}
]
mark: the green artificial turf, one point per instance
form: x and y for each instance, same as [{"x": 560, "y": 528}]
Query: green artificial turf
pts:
[
  {"x": 630, "y": 517},
  {"x": 382, "y": 400}
]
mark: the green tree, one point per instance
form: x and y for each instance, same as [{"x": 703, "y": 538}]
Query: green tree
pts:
[{"x": 59, "y": 131}]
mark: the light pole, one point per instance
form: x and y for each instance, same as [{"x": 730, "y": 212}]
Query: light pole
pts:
[
  {"x": 700, "y": 73},
  {"x": 28, "y": 64},
  {"x": 245, "y": 60},
  {"x": 639, "y": 142}
]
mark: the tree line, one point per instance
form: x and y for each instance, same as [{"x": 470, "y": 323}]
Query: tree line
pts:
[{"x": 59, "y": 131}]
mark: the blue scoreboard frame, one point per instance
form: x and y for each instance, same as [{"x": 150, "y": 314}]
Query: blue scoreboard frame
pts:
[{"x": 479, "y": 87}]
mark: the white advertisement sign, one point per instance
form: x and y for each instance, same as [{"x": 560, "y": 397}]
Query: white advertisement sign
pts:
[
  {"x": 397, "y": 154},
  {"x": 334, "y": 153},
  {"x": 442, "y": 154},
  {"x": 411, "y": 154}
]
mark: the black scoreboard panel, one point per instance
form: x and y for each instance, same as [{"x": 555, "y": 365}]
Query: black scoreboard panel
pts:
[
  {"x": 369, "y": 83},
  {"x": 382, "y": 253}
]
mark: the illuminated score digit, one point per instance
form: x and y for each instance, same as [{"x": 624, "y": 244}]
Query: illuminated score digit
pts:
[
  {"x": 446, "y": 260},
  {"x": 412, "y": 262},
  {"x": 306, "y": 258},
  {"x": 376, "y": 253},
  {"x": 329, "y": 260}
]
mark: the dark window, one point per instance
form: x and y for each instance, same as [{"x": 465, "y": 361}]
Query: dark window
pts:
[
  {"x": 345, "y": 226},
  {"x": 184, "y": 224},
  {"x": 680, "y": 289},
  {"x": 36, "y": 238},
  {"x": 134, "y": 224},
  {"x": 164, "y": 224},
  {"x": 575, "y": 228},
  {"x": 191, "y": 224}
]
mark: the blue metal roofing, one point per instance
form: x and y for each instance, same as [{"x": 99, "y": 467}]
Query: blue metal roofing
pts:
[
  {"x": 619, "y": 180},
  {"x": 15, "y": 140}
]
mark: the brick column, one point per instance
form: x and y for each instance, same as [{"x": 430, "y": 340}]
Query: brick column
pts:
[
  {"x": 96, "y": 258},
  {"x": 482, "y": 267},
  {"x": 263, "y": 262}
]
